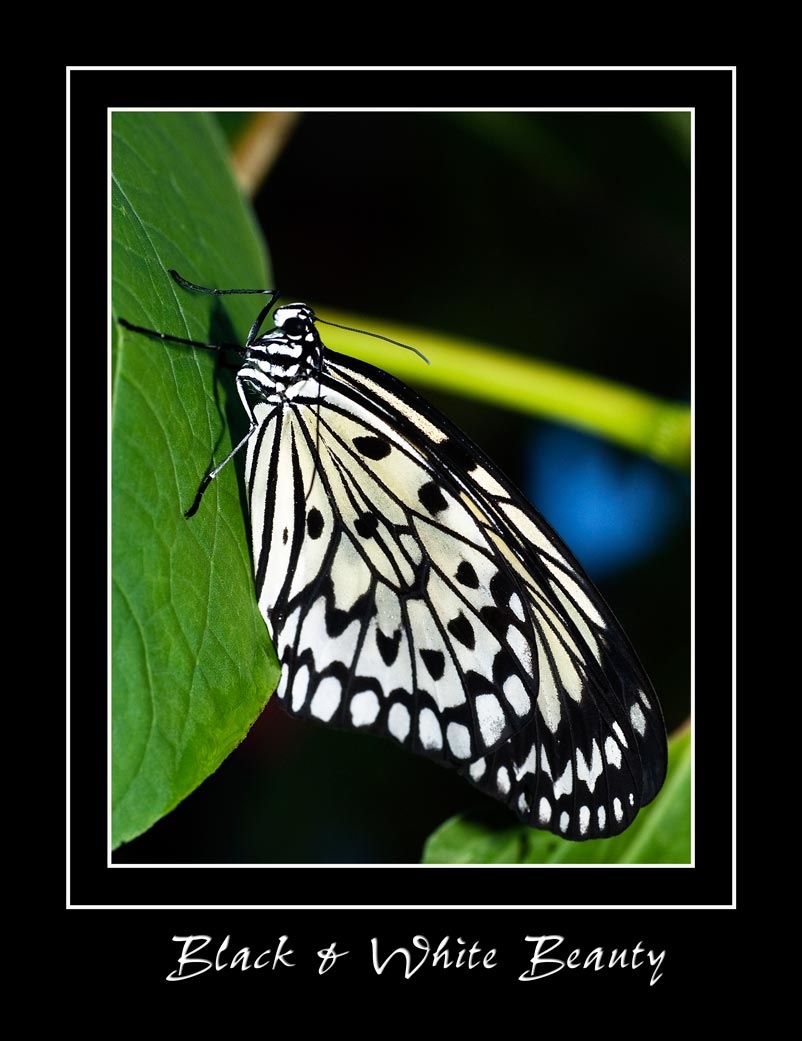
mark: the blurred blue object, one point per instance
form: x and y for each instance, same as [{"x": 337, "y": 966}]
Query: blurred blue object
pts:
[{"x": 612, "y": 508}]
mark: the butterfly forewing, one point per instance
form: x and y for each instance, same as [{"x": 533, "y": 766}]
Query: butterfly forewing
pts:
[{"x": 412, "y": 591}]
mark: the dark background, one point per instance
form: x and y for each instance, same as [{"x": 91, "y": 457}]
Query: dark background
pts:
[
  {"x": 565, "y": 236},
  {"x": 129, "y": 954}
]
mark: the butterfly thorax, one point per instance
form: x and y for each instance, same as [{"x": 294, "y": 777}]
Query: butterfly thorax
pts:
[{"x": 290, "y": 352}]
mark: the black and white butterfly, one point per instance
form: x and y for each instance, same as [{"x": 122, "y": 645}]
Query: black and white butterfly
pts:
[{"x": 412, "y": 591}]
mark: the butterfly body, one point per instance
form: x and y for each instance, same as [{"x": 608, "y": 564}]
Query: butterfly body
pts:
[{"x": 411, "y": 590}]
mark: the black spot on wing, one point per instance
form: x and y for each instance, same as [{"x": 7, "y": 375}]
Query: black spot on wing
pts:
[
  {"x": 337, "y": 618},
  {"x": 366, "y": 525},
  {"x": 476, "y": 684},
  {"x": 496, "y": 619},
  {"x": 372, "y": 447},
  {"x": 466, "y": 575},
  {"x": 501, "y": 589},
  {"x": 337, "y": 621},
  {"x": 504, "y": 666},
  {"x": 388, "y": 645},
  {"x": 435, "y": 662},
  {"x": 462, "y": 630},
  {"x": 432, "y": 498},
  {"x": 314, "y": 523},
  {"x": 457, "y": 454}
]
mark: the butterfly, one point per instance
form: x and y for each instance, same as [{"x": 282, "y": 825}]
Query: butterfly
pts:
[{"x": 411, "y": 590}]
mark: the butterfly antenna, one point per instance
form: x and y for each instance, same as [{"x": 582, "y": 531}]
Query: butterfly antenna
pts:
[{"x": 377, "y": 336}]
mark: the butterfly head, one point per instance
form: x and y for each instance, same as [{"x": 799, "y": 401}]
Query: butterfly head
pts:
[
  {"x": 292, "y": 350},
  {"x": 297, "y": 321}
]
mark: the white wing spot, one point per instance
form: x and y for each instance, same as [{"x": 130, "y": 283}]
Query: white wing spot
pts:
[
  {"x": 631, "y": 799},
  {"x": 612, "y": 753},
  {"x": 566, "y": 669},
  {"x": 619, "y": 733},
  {"x": 491, "y": 718},
  {"x": 527, "y": 528},
  {"x": 286, "y": 638},
  {"x": 602, "y": 814},
  {"x": 431, "y": 736},
  {"x": 503, "y": 779},
  {"x": 326, "y": 699},
  {"x": 488, "y": 483},
  {"x": 477, "y": 769},
  {"x": 544, "y": 811},
  {"x": 618, "y": 809},
  {"x": 548, "y": 700},
  {"x": 281, "y": 689},
  {"x": 515, "y": 693},
  {"x": 517, "y": 607},
  {"x": 519, "y": 646},
  {"x": 589, "y": 774},
  {"x": 564, "y": 821},
  {"x": 579, "y": 621},
  {"x": 398, "y": 721},
  {"x": 637, "y": 718},
  {"x": 584, "y": 819},
  {"x": 314, "y": 633},
  {"x": 644, "y": 699},
  {"x": 565, "y": 784},
  {"x": 528, "y": 766},
  {"x": 576, "y": 594},
  {"x": 523, "y": 805},
  {"x": 300, "y": 685},
  {"x": 364, "y": 708},
  {"x": 544, "y": 761},
  {"x": 459, "y": 740}
]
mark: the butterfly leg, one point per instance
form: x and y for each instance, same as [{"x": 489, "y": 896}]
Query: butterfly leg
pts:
[
  {"x": 210, "y": 476},
  {"x": 179, "y": 339}
]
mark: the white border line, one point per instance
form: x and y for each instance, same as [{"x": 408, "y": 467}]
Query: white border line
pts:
[
  {"x": 456, "y": 109},
  {"x": 183, "y": 866}
]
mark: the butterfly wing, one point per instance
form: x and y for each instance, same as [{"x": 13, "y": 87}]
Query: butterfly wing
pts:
[{"x": 412, "y": 591}]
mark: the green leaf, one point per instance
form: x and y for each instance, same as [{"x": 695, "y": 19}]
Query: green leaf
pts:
[
  {"x": 192, "y": 664},
  {"x": 661, "y": 833}
]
